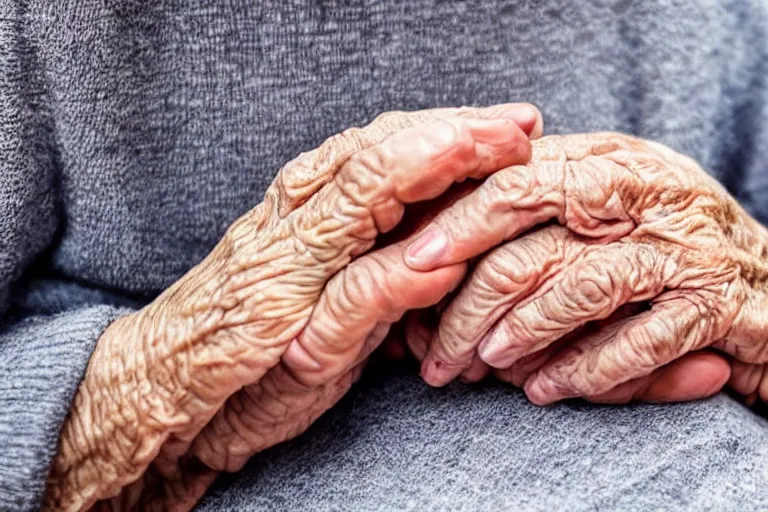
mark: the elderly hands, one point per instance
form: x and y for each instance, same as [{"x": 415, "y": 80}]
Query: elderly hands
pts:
[
  {"x": 271, "y": 329},
  {"x": 638, "y": 224}
]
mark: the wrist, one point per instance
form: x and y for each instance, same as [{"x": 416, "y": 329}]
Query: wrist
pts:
[{"x": 108, "y": 438}]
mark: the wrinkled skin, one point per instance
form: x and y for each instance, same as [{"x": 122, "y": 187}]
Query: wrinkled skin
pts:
[
  {"x": 646, "y": 242},
  {"x": 750, "y": 381},
  {"x": 694, "y": 376},
  {"x": 272, "y": 328}
]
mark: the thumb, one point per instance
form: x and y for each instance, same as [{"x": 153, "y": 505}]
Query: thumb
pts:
[
  {"x": 694, "y": 376},
  {"x": 357, "y": 307}
]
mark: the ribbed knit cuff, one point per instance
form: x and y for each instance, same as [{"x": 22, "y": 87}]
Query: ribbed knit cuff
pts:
[{"x": 42, "y": 361}]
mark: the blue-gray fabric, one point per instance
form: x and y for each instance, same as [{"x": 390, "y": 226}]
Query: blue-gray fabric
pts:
[
  {"x": 393, "y": 444},
  {"x": 132, "y": 133}
]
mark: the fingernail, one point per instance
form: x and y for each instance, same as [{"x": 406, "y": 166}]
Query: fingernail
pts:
[
  {"x": 493, "y": 346},
  {"x": 298, "y": 358},
  {"x": 425, "y": 252},
  {"x": 525, "y": 116},
  {"x": 535, "y": 391},
  {"x": 436, "y": 373}
]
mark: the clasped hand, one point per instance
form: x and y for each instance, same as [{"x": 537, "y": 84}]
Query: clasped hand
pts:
[
  {"x": 633, "y": 261},
  {"x": 620, "y": 235}
]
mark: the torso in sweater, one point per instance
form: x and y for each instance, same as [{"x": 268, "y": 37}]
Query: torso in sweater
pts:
[{"x": 168, "y": 121}]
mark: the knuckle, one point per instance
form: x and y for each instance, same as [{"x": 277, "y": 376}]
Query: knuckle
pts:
[
  {"x": 746, "y": 378},
  {"x": 520, "y": 336},
  {"x": 421, "y": 117},
  {"x": 593, "y": 384},
  {"x": 447, "y": 133},
  {"x": 337, "y": 147},
  {"x": 452, "y": 341},
  {"x": 305, "y": 174},
  {"x": 354, "y": 138},
  {"x": 507, "y": 181},
  {"x": 522, "y": 148},
  {"x": 609, "y": 142},
  {"x": 506, "y": 271},
  {"x": 593, "y": 292},
  {"x": 293, "y": 186},
  {"x": 561, "y": 380},
  {"x": 593, "y": 287},
  {"x": 586, "y": 377},
  {"x": 363, "y": 285},
  {"x": 374, "y": 161},
  {"x": 299, "y": 172},
  {"x": 516, "y": 188},
  {"x": 473, "y": 112},
  {"x": 364, "y": 176},
  {"x": 648, "y": 344},
  {"x": 312, "y": 169},
  {"x": 388, "y": 123}
]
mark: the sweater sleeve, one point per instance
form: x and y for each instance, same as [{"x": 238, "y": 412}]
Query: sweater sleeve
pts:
[
  {"x": 47, "y": 331},
  {"x": 42, "y": 360}
]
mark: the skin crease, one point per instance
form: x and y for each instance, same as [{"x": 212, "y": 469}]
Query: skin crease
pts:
[
  {"x": 153, "y": 424},
  {"x": 694, "y": 376},
  {"x": 251, "y": 346},
  {"x": 638, "y": 224}
]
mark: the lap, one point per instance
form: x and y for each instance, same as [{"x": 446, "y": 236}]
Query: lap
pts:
[{"x": 395, "y": 444}]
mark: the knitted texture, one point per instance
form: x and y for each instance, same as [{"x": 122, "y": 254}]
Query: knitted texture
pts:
[
  {"x": 394, "y": 444},
  {"x": 133, "y": 133}
]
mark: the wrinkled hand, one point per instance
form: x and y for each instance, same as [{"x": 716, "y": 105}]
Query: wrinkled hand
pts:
[
  {"x": 248, "y": 318},
  {"x": 350, "y": 320},
  {"x": 694, "y": 376},
  {"x": 640, "y": 224}
]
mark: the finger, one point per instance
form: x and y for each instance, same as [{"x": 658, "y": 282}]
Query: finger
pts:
[
  {"x": 676, "y": 324},
  {"x": 394, "y": 349},
  {"x": 348, "y": 322},
  {"x": 567, "y": 178},
  {"x": 692, "y": 377},
  {"x": 308, "y": 172},
  {"x": 476, "y": 371},
  {"x": 290, "y": 266},
  {"x": 368, "y": 196},
  {"x": 373, "y": 341},
  {"x": 419, "y": 335},
  {"x": 748, "y": 379},
  {"x": 421, "y": 163},
  {"x": 507, "y": 275},
  {"x": 592, "y": 288},
  {"x": 421, "y": 214},
  {"x": 418, "y": 331},
  {"x": 523, "y": 368},
  {"x": 263, "y": 414},
  {"x": 373, "y": 290}
]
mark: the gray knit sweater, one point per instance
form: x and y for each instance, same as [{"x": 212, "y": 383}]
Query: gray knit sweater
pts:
[{"x": 133, "y": 132}]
